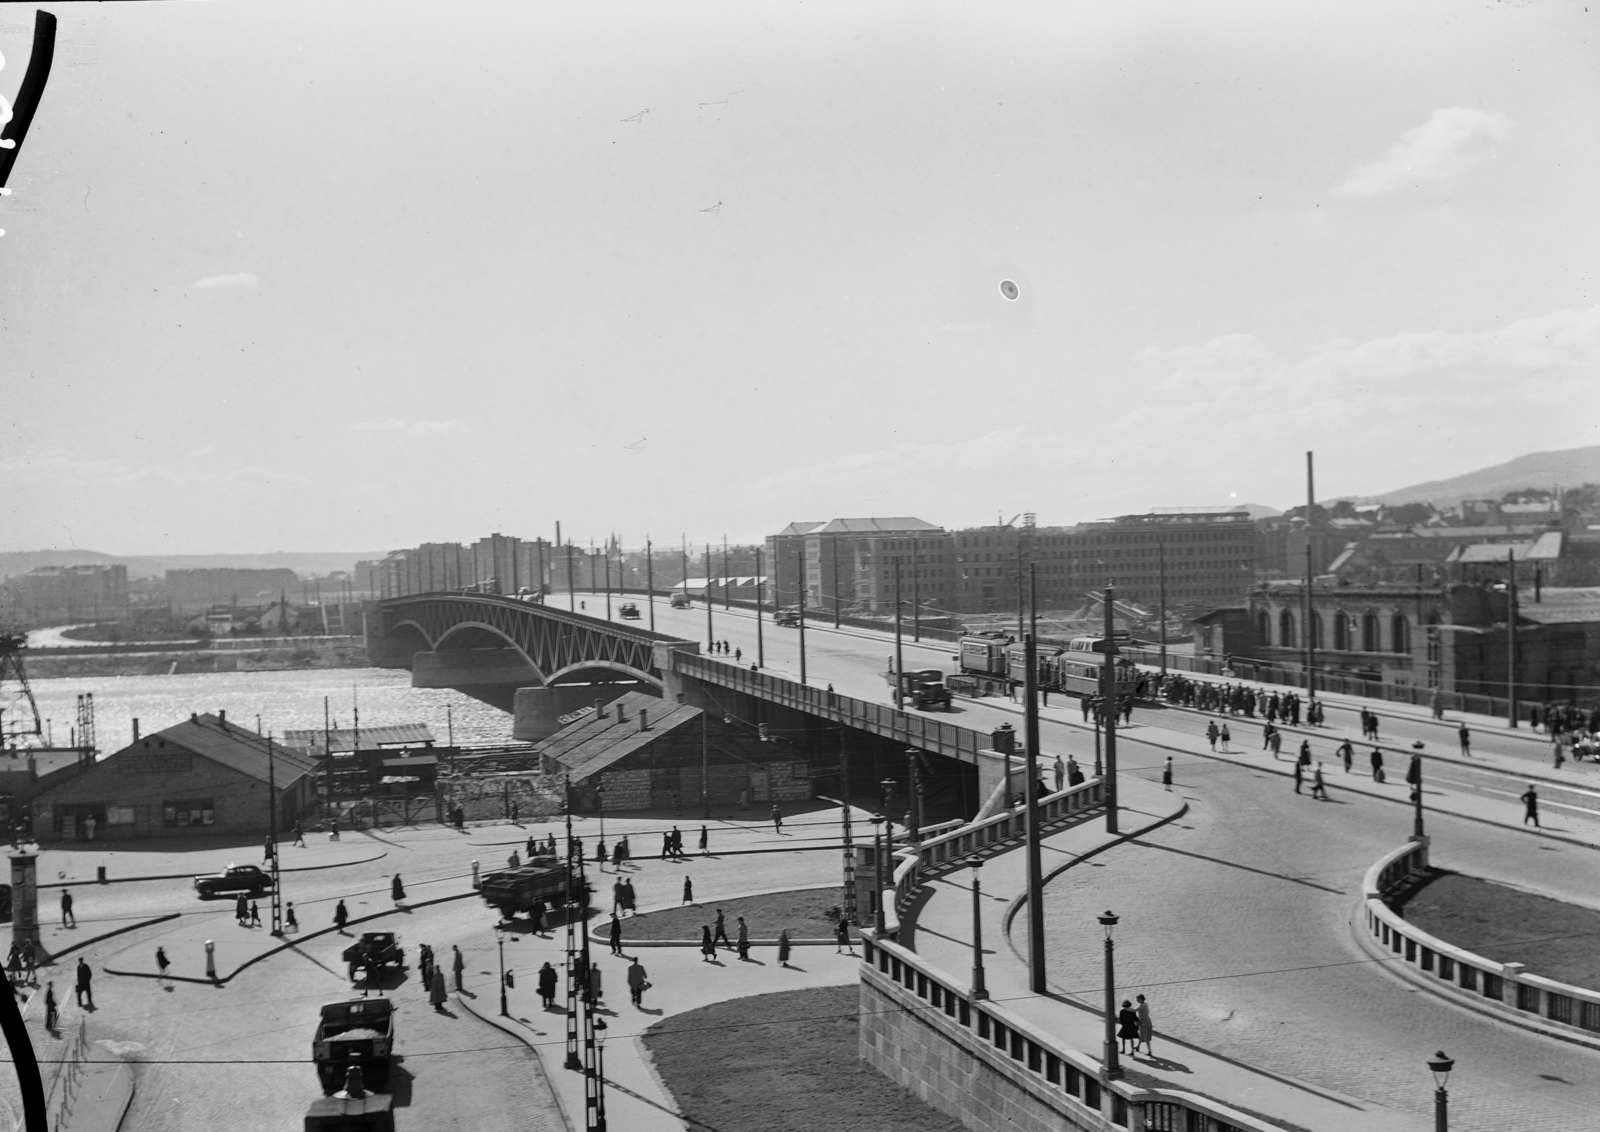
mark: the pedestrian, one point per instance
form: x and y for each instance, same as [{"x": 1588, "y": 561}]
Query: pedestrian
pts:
[
  {"x": 341, "y": 916},
  {"x": 425, "y": 965},
  {"x": 630, "y": 902},
  {"x": 616, "y": 855},
  {"x": 595, "y": 993},
  {"x": 1224, "y": 737},
  {"x": 616, "y": 894},
  {"x": 599, "y": 854},
  {"x": 255, "y": 914},
  {"x": 289, "y": 920},
  {"x": 162, "y": 962},
  {"x": 547, "y": 986},
  {"x": 677, "y": 843},
  {"x": 738, "y": 655},
  {"x": 705, "y": 841},
  {"x": 457, "y": 964},
  {"x": 616, "y": 935},
  {"x": 688, "y": 891},
  {"x": 721, "y": 933},
  {"x": 396, "y": 889},
  {"x": 541, "y": 922},
  {"x": 1074, "y": 772},
  {"x": 1146, "y": 1030},
  {"x": 30, "y": 960},
  {"x": 437, "y": 994},
  {"x": 299, "y": 836},
  {"x": 1376, "y": 759},
  {"x": 1347, "y": 754},
  {"x": 744, "y": 940},
  {"x": 777, "y": 820},
  {"x": 1211, "y": 734},
  {"x": 1060, "y": 769},
  {"x": 1127, "y": 1028},
  {"x": 1166, "y": 774},
  {"x": 333, "y": 829},
  {"x": 1277, "y": 744},
  {"x": 783, "y": 948},
  {"x": 666, "y": 845},
  {"x": 1560, "y": 755},
  {"x": 241, "y": 910},
  {"x": 1305, "y": 752},
  {"x": 708, "y": 949},
  {"x": 1466, "y": 741},
  {"x": 1374, "y": 727},
  {"x": 1266, "y": 736},
  {"x": 82, "y": 988},
  {"x": 514, "y": 861},
  {"x": 1318, "y": 788},
  {"x": 841, "y": 935},
  {"x": 637, "y": 982},
  {"x": 266, "y": 849},
  {"x": 52, "y": 1012},
  {"x": 1299, "y": 775},
  {"x": 66, "y": 909},
  {"x": 1436, "y": 704},
  {"x": 1530, "y": 800}
]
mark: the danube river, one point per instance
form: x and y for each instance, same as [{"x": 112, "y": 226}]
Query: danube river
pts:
[{"x": 284, "y": 701}]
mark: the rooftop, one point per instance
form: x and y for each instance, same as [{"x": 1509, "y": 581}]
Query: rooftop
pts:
[
  {"x": 593, "y": 743},
  {"x": 237, "y": 748}
]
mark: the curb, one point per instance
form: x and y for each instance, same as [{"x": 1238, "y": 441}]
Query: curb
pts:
[
  {"x": 516, "y": 1032},
  {"x": 54, "y": 955},
  {"x": 191, "y": 876},
  {"x": 596, "y": 936},
  {"x": 1399, "y": 969},
  {"x": 222, "y": 980}
]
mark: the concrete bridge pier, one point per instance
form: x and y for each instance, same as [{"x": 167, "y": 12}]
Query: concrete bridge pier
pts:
[
  {"x": 536, "y": 712},
  {"x": 490, "y": 675}
]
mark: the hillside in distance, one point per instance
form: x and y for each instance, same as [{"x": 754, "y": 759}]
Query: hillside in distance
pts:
[
  {"x": 13, "y": 563},
  {"x": 1567, "y": 468}
]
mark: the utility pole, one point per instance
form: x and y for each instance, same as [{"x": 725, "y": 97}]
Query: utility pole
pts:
[
  {"x": 916, "y": 592},
  {"x": 899, "y": 655},
  {"x": 1311, "y": 503},
  {"x": 272, "y": 837},
  {"x": 727, "y": 594},
  {"x": 850, "y": 912},
  {"x": 709, "y": 631},
  {"x": 835, "y": 545},
  {"x": 650, "y": 581},
  {"x": 684, "y": 585},
  {"x": 1511, "y": 638},
  {"x": 761, "y": 587},
  {"x": 705, "y": 764},
  {"x": 801, "y": 587},
  {"x": 608, "y": 579},
  {"x": 1108, "y": 673},
  {"x": 1030, "y": 734},
  {"x": 1161, "y": 581}
]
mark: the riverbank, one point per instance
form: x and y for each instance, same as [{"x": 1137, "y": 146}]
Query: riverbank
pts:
[{"x": 232, "y": 656}]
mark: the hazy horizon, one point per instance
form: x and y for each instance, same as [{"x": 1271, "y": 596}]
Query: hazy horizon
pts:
[{"x": 373, "y": 275}]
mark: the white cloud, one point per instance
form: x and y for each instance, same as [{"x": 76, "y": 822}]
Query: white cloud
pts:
[
  {"x": 1451, "y": 141},
  {"x": 238, "y": 279},
  {"x": 415, "y": 428}
]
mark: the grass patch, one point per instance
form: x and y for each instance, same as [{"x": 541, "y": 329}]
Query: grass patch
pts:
[
  {"x": 784, "y": 1062},
  {"x": 1557, "y": 940},
  {"x": 804, "y": 912}
]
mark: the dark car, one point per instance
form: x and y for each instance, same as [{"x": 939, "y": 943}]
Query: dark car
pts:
[{"x": 248, "y": 879}]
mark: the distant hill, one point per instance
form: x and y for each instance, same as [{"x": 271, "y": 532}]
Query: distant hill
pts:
[
  {"x": 1260, "y": 510},
  {"x": 17, "y": 562},
  {"x": 1568, "y": 468}
]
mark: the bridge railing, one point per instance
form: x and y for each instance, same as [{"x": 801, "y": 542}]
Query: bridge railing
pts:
[{"x": 914, "y": 730}]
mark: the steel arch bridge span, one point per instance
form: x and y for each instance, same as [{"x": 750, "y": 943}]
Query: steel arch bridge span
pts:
[{"x": 556, "y": 644}]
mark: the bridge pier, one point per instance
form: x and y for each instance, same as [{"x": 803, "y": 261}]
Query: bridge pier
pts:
[
  {"x": 536, "y": 712},
  {"x": 490, "y": 675}
]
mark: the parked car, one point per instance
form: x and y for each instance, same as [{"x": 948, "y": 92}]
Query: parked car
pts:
[{"x": 248, "y": 879}]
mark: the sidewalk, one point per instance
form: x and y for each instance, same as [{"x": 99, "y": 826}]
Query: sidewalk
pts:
[
  {"x": 943, "y": 935},
  {"x": 62, "y": 868}
]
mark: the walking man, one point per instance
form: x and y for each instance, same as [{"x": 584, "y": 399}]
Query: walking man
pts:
[
  {"x": 841, "y": 934},
  {"x": 396, "y": 889},
  {"x": 1347, "y": 754},
  {"x": 1299, "y": 775},
  {"x": 241, "y": 910},
  {"x": 162, "y": 962},
  {"x": 333, "y": 829},
  {"x": 1061, "y": 773},
  {"x": 547, "y": 985},
  {"x": 616, "y": 935},
  {"x": 777, "y": 819},
  {"x": 1166, "y": 774},
  {"x": 720, "y": 932},
  {"x": 1225, "y": 737},
  {"x": 1530, "y": 800},
  {"x": 1211, "y": 734},
  {"x": 82, "y": 989},
  {"x": 636, "y": 982},
  {"x": 1466, "y": 741},
  {"x": 1318, "y": 788},
  {"x": 1377, "y": 765},
  {"x": 744, "y": 939},
  {"x": 52, "y": 1012},
  {"x": 299, "y": 836},
  {"x": 437, "y": 994},
  {"x": 341, "y": 916},
  {"x": 255, "y": 914},
  {"x": 457, "y": 964},
  {"x": 66, "y": 909}
]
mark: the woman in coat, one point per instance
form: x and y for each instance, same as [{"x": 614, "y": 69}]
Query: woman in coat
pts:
[
  {"x": 397, "y": 889},
  {"x": 1127, "y": 1027},
  {"x": 707, "y": 949},
  {"x": 438, "y": 995},
  {"x": 743, "y": 939},
  {"x": 783, "y": 948},
  {"x": 547, "y": 985},
  {"x": 1145, "y": 1027}
]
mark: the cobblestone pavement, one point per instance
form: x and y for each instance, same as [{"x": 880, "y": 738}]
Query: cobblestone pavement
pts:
[{"x": 1236, "y": 923}]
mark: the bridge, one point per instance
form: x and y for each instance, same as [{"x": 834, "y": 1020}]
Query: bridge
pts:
[{"x": 541, "y": 663}]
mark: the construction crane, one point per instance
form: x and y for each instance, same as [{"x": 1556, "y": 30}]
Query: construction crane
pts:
[{"x": 19, "y": 712}]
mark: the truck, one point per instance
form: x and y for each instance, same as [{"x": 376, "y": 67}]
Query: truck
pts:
[
  {"x": 359, "y": 1033},
  {"x": 513, "y": 891},
  {"x": 681, "y": 600},
  {"x": 630, "y": 611},
  {"x": 248, "y": 879},
  {"x": 788, "y": 617},
  {"x": 374, "y": 948},
  {"x": 925, "y": 688}
]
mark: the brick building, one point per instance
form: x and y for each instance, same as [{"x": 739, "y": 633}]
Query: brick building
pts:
[{"x": 850, "y": 565}]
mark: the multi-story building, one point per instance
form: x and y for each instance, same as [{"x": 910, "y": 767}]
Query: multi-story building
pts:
[
  {"x": 197, "y": 591},
  {"x": 53, "y": 594},
  {"x": 850, "y": 565},
  {"x": 500, "y": 563}
]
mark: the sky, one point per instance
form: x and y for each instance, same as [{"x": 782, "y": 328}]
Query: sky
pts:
[{"x": 299, "y": 276}]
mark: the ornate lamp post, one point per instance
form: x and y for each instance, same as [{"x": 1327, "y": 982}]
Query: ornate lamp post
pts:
[
  {"x": 1414, "y": 776},
  {"x": 914, "y": 795},
  {"x": 500, "y": 939},
  {"x": 1441, "y": 1066},
  {"x": 600, "y": 1062},
  {"x": 1112, "y": 1068},
  {"x": 978, "y": 989},
  {"x": 877, "y": 857}
]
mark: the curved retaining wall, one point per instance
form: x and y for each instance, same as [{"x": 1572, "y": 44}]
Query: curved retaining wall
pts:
[{"x": 1503, "y": 989}]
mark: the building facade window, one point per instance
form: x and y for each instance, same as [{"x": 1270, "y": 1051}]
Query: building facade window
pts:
[
  {"x": 191, "y": 812},
  {"x": 1286, "y": 629},
  {"x": 1341, "y": 632},
  {"x": 1369, "y": 632},
  {"x": 1399, "y": 633}
]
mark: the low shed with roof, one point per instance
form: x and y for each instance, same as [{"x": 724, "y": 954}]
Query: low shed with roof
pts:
[
  {"x": 202, "y": 776},
  {"x": 641, "y": 753}
]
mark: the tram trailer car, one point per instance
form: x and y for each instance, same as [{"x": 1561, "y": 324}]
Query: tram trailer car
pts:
[{"x": 983, "y": 654}]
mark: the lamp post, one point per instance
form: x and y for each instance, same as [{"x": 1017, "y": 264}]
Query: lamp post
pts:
[
  {"x": 600, "y": 804},
  {"x": 500, "y": 938},
  {"x": 978, "y": 989},
  {"x": 877, "y": 857},
  {"x": 1112, "y": 1068},
  {"x": 1414, "y": 776},
  {"x": 887, "y": 792},
  {"x": 1441, "y": 1066},
  {"x": 1099, "y": 770},
  {"x": 914, "y": 795},
  {"x": 600, "y": 1074}
]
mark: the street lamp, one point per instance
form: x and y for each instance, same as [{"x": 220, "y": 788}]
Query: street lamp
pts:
[
  {"x": 600, "y": 804},
  {"x": 877, "y": 857},
  {"x": 500, "y": 938},
  {"x": 600, "y": 1064},
  {"x": 978, "y": 989},
  {"x": 1099, "y": 770},
  {"x": 1441, "y": 1066},
  {"x": 914, "y": 795},
  {"x": 1112, "y": 1069},
  {"x": 1414, "y": 776}
]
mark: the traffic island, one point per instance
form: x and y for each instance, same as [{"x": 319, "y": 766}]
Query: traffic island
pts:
[{"x": 809, "y": 915}]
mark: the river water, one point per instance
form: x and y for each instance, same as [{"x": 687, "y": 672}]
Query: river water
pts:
[{"x": 284, "y": 701}]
